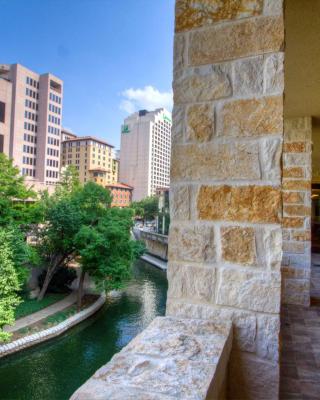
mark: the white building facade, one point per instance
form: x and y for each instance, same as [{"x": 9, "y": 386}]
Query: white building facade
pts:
[{"x": 145, "y": 152}]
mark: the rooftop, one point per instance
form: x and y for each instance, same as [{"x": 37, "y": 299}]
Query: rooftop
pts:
[{"x": 81, "y": 139}]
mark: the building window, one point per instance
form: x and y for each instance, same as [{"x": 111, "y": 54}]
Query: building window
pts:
[{"x": 2, "y": 111}]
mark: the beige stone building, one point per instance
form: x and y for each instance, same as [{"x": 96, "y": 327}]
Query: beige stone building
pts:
[
  {"x": 145, "y": 151},
  {"x": 31, "y": 127},
  {"x": 95, "y": 159}
]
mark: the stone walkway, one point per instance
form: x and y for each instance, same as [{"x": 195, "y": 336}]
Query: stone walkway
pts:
[
  {"x": 46, "y": 312},
  {"x": 300, "y": 361}
]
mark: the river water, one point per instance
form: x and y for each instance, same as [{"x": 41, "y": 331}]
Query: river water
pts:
[{"x": 55, "y": 369}]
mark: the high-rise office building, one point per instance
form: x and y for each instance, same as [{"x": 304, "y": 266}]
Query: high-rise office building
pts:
[
  {"x": 145, "y": 152},
  {"x": 94, "y": 158},
  {"x": 30, "y": 122}
]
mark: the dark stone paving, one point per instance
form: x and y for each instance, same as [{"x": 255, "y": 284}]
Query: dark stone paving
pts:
[{"x": 300, "y": 354}]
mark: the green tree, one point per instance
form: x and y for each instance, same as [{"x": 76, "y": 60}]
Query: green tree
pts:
[
  {"x": 9, "y": 284},
  {"x": 66, "y": 213},
  {"x": 14, "y": 195},
  {"x": 69, "y": 181},
  {"x": 107, "y": 250},
  {"x": 146, "y": 208}
]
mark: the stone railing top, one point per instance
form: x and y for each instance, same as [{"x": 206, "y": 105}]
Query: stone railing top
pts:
[
  {"x": 154, "y": 236},
  {"x": 171, "y": 359}
]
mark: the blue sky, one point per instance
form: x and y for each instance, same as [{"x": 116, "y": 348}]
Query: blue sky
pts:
[{"x": 114, "y": 56}]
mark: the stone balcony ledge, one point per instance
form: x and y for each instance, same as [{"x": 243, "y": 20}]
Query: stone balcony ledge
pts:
[{"x": 171, "y": 359}]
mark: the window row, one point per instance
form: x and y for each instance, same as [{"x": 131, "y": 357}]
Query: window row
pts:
[
  {"x": 55, "y": 98},
  {"x": 52, "y": 152},
  {"x": 52, "y": 163},
  {"x": 29, "y": 160},
  {"x": 32, "y": 93},
  {"x": 31, "y": 115},
  {"x": 51, "y": 174},
  {"x": 29, "y": 138},
  {"x": 53, "y": 130},
  {"x": 32, "y": 82},
  {"x": 29, "y": 149},
  {"x": 30, "y": 127},
  {"x": 31, "y": 104},
  {"x": 55, "y": 120},
  {"x": 54, "y": 109},
  {"x": 53, "y": 141},
  {"x": 29, "y": 172}
]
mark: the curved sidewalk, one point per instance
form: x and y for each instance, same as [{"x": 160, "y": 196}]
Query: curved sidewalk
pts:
[{"x": 46, "y": 312}]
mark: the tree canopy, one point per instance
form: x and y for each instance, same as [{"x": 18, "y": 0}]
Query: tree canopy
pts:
[
  {"x": 146, "y": 208},
  {"x": 9, "y": 284},
  {"x": 14, "y": 207}
]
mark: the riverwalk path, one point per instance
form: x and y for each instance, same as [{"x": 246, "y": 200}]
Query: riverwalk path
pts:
[{"x": 39, "y": 315}]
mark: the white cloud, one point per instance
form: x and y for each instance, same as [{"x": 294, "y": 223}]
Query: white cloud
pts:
[{"x": 147, "y": 98}]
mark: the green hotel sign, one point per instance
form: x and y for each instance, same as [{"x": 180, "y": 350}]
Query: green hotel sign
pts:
[
  {"x": 125, "y": 129},
  {"x": 165, "y": 118}
]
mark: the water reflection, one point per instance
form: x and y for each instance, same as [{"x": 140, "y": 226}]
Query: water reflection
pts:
[{"x": 54, "y": 370}]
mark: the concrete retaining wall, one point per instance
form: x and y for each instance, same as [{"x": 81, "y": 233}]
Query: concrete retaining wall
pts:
[{"x": 50, "y": 333}]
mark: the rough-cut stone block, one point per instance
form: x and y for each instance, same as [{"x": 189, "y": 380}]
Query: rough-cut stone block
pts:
[
  {"x": 179, "y": 58},
  {"x": 297, "y": 129},
  {"x": 296, "y": 185},
  {"x": 267, "y": 337},
  {"x": 249, "y": 290},
  {"x": 274, "y": 74},
  {"x": 273, "y": 7},
  {"x": 270, "y": 159},
  {"x": 296, "y": 210},
  {"x": 248, "y": 76},
  {"x": 244, "y": 322},
  {"x": 290, "y": 222},
  {"x": 269, "y": 247},
  {"x": 205, "y": 84},
  {"x": 294, "y": 147},
  {"x": 238, "y": 245},
  {"x": 190, "y": 282},
  {"x": 301, "y": 235},
  {"x": 191, "y": 243},
  {"x": 252, "y": 377},
  {"x": 293, "y": 247},
  {"x": 286, "y": 234},
  {"x": 171, "y": 359},
  {"x": 241, "y": 39},
  {"x": 200, "y": 122},
  {"x": 296, "y": 159},
  {"x": 293, "y": 197},
  {"x": 293, "y": 172},
  {"x": 197, "y": 13},
  {"x": 239, "y": 203},
  {"x": 180, "y": 203},
  {"x": 178, "y": 114},
  {"x": 251, "y": 117},
  {"x": 215, "y": 161}
]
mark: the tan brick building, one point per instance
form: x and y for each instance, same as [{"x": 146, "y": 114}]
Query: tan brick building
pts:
[
  {"x": 30, "y": 123},
  {"x": 121, "y": 193},
  {"x": 94, "y": 159}
]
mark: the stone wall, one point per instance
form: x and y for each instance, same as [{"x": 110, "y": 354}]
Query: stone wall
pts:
[
  {"x": 225, "y": 240},
  {"x": 296, "y": 263}
]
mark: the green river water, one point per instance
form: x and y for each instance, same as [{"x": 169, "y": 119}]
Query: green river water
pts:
[{"x": 55, "y": 369}]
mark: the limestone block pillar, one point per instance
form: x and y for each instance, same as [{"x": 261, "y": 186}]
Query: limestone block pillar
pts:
[
  {"x": 225, "y": 240},
  {"x": 297, "y": 170}
]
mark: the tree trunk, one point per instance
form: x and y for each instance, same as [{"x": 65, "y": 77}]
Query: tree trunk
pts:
[
  {"x": 80, "y": 290},
  {"x": 46, "y": 282}
]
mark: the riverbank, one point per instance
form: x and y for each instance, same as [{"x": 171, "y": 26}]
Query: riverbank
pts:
[
  {"x": 70, "y": 318},
  {"x": 56, "y": 368}
]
